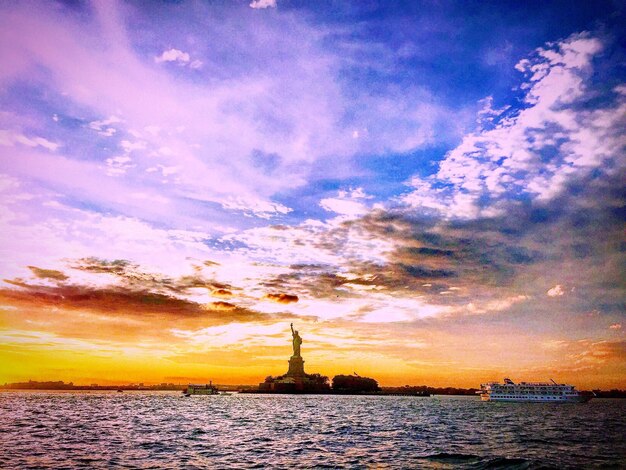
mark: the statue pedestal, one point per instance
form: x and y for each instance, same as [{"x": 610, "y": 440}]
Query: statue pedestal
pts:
[{"x": 296, "y": 367}]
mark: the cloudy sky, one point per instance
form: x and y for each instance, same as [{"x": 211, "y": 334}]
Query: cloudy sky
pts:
[{"x": 432, "y": 192}]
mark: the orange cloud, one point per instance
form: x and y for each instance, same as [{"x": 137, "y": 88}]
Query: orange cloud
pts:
[
  {"x": 119, "y": 302},
  {"x": 281, "y": 298},
  {"x": 221, "y": 293},
  {"x": 110, "y": 299},
  {"x": 222, "y": 306}
]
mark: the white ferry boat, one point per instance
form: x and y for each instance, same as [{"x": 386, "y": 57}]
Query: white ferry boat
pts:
[{"x": 539, "y": 392}]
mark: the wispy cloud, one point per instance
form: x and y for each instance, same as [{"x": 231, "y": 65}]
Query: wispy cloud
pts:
[
  {"x": 262, "y": 4},
  {"x": 292, "y": 108},
  {"x": 11, "y": 138}
]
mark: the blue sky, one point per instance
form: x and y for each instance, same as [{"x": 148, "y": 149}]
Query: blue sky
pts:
[{"x": 451, "y": 168}]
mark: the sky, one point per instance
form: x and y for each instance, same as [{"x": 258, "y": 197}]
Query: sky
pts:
[{"x": 431, "y": 191}]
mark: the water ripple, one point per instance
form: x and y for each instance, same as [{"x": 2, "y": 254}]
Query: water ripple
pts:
[{"x": 163, "y": 430}]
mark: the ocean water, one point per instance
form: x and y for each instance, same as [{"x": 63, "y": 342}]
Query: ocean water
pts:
[{"x": 165, "y": 430}]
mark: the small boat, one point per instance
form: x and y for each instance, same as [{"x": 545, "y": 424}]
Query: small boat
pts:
[{"x": 201, "y": 389}]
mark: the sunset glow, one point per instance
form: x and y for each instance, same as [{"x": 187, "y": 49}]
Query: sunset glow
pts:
[{"x": 428, "y": 200}]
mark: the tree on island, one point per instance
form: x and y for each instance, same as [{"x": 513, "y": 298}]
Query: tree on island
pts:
[{"x": 354, "y": 383}]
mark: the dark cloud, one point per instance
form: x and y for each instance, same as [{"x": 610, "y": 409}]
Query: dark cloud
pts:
[
  {"x": 109, "y": 299},
  {"x": 48, "y": 274},
  {"x": 183, "y": 283},
  {"x": 133, "y": 277},
  {"x": 575, "y": 240},
  {"x": 318, "y": 281},
  {"x": 98, "y": 265},
  {"x": 424, "y": 273},
  {"x": 426, "y": 251},
  {"x": 121, "y": 300}
]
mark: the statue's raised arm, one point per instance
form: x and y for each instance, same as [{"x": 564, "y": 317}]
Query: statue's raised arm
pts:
[{"x": 292, "y": 333}]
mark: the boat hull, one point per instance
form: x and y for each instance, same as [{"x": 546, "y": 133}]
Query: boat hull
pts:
[
  {"x": 578, "y": 399},
  {"x": 203, "y": 389}
]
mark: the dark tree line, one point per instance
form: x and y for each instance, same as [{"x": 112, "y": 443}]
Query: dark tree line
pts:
[{"x": 354, "y": 383}]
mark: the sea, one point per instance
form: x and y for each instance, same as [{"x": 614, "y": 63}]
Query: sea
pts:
[{"x": 144, "y": 430}]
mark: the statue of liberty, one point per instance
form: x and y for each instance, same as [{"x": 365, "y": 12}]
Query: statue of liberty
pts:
[{"x": 297, "y": 341}]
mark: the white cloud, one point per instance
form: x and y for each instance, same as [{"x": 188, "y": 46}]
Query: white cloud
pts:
[
  {"x": 168, "y": 170},
  {"x": 388, "y": 309},
  {"x": 103, "y": 127},
  {"x": 129, "y": 146},
  {"x": 347, "y": 203},
  {"x": 260, "y": 4},
  {"x": 156, "y": 198},
  {"x": 344, "y": 206},
  {"x": 117, "y": 166},
  {"x": 179, "y": 57},
  {"x": 108, "y": 132},
  {"x": 173, "y": 55},
  {"x": 556, "y": 291},
  {"x": 487, "y": 114},
  {"x": 496, "y": 305},
  {"x": 164, "y": 170},
  {"x": 616, "y": 326},
  {"x": 253, "y": 206},
  {"x": 10, "y": 138},
  {"x": 534, "y": 152}
]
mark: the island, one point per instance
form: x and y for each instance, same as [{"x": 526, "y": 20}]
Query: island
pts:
[{"x": 295, "y": 380}]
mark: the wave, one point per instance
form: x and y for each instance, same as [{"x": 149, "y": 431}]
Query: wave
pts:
[
  {"x": 446, "y": 456},
  {"x": 476, "y": 462}
]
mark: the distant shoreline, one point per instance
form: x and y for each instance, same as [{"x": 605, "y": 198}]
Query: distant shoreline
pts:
[{"x": 419, "y": 391}]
